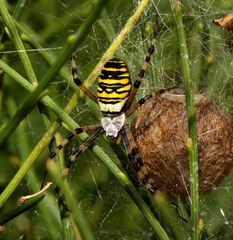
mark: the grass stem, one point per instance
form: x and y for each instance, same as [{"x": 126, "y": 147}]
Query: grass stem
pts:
[
  {"x": 192, "y": 146},
  {"x": 72, "y": 42},
  {"x": 15, "y": 37}
]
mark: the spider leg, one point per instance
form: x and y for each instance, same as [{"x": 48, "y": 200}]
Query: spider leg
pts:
[
  {"x": 71, "y": 135},
  {"x": 86, "y": 144},
  {"x": 140, "y": 76},
  {"x": 77, "y": 80},
  {"x": 135, "y": 159},
  {"x": 137, "y": 105}
]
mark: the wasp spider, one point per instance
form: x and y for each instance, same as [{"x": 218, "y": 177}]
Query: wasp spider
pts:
[{"x": 115, "y": 96}]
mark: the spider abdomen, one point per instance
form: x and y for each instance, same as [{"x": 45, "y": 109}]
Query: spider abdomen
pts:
[{"x": 114, "y": 86}]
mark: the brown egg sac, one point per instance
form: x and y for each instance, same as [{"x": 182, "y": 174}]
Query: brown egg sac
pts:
[{"x": 161, "y": 130}]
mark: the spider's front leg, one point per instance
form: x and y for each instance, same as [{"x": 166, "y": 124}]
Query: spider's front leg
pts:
[
  {"x": 86, "y": 144},
  {"x": 135, "y": 159},
  {"x": 82, "y": 148},
  {"x": 71, "y": 135}
]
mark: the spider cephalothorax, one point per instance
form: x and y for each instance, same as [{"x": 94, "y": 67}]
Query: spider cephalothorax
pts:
[
  {"x": 112, "y": 125},
  {"x": 115, "y": 95}
]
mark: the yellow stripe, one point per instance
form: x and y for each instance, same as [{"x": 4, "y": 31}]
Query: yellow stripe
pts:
[
  {"x": 112, "y": 95},
  {"x": 113, "y": 108},
  {"x": 114, "y": 81},
  {"x": 124, "y": 88},
  {"x": 117, "y": 61},
  {"x": 117, "y": 90},
  {"x": 111, "y": 100},
  {"x": 123, "y": 69},
  {"x": 126, "y": 74}
]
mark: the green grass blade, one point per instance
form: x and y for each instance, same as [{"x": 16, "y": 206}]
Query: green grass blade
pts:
[
  {"x": 192, "y": 146},
  {"x": 72, "y": 42}
]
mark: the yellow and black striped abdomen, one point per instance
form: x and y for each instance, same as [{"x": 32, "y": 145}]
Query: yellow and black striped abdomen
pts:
[{"x": 114, "y": 86}]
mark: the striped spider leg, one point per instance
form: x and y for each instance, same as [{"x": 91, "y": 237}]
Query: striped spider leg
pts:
[
  {"x": 115, "y": 95},
  {"x": 83, "y": 146},
  {"x": 135, "y": 159}
]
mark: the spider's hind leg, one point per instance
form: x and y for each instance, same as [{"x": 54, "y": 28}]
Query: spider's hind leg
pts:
[
  {"x": 144, "y": 67},
  {"x": 77, "y": 80},
  {"x": 138, "y": 104},
  {"x": 135, "y": 159}
]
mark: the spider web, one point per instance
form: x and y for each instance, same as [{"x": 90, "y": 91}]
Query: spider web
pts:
[{"x": 110, "y": 211}]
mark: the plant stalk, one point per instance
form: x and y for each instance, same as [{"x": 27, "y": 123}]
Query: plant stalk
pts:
[
  {"x": 192, "y": 145},
  {"x": 72, "y": 42}
]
